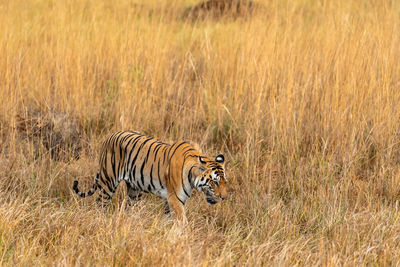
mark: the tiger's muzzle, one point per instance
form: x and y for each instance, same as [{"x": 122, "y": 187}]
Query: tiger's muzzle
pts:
[{"x": 211, "y": 198}]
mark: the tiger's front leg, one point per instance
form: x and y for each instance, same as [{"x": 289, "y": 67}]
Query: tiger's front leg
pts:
[{"x": 178, "y": 207}]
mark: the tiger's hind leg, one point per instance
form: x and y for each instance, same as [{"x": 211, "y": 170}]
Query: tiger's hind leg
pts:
[
  {"x": 134, "y": 195},
  {"x": 105, "y": 196}
]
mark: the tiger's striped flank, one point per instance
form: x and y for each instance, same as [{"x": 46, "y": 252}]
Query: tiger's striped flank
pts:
[{"x": 148, "y": 165}]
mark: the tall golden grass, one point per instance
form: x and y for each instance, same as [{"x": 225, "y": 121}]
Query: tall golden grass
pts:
[{"x": 302, "y": 97}]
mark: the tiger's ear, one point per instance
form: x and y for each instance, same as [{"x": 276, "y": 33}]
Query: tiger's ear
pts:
[
  {"x": 201, "y": 160},
  {"x": 220, "y": 158}
]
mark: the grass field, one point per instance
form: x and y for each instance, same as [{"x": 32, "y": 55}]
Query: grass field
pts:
[{"x": 302, "y": 98}]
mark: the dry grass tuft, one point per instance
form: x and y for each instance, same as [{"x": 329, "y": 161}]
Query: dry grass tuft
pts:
[{"x": 302, "y": 98}]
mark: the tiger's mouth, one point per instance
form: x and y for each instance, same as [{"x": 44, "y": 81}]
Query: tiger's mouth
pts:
[{"x": 212, "y": 199}]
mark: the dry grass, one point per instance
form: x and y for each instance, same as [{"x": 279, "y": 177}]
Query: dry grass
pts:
[{"x": 303, "y": 100}]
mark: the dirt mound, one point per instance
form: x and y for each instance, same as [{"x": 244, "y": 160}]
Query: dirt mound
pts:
[
  {"x": 221, "y": 8},
  {"x": 56, "y": 131}
]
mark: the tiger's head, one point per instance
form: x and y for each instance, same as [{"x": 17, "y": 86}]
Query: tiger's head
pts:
[{"x": 212, "y": 180}]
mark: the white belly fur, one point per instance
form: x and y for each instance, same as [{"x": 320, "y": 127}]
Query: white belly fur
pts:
[{"x": 161, "y": 192}]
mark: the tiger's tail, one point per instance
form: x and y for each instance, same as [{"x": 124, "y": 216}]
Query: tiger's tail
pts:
[{"x": 91, "y": 190}]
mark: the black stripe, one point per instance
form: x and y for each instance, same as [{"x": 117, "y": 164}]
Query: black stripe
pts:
[
  {"x": 183, "y": 184},
  {"x": 145, "y": 161},
  {"x": 158, "y": 173},
  {"x": 111, "y": 180},
  {"x": 170, "y": 157},
  {"x": 151, "y": 177},
  {"x": 183, "y": 203},
  {"x": 164, "y": 151},
  {"x": 138, "y": 186},
  {"x": 113, "y": 163},
  {"x": 156, "y": 150},
  {"x": 158, "y": 170},
  {"x": 136, "y": 181},
  {"x": 117, "y": 146},
  {"x": 190, "y": 176},
  {"x": 141, "y": 172},
  {"x": 190, "y": 149},
  {"x": 131, "y": 177}
]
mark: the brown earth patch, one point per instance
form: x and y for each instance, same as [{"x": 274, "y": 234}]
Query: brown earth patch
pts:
[
  {"x": 221, "y": 8},
  {"x": 58, "y": 132}
]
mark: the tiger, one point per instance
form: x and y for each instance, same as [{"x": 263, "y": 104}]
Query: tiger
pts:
[{"x": 148, "y": 165}]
